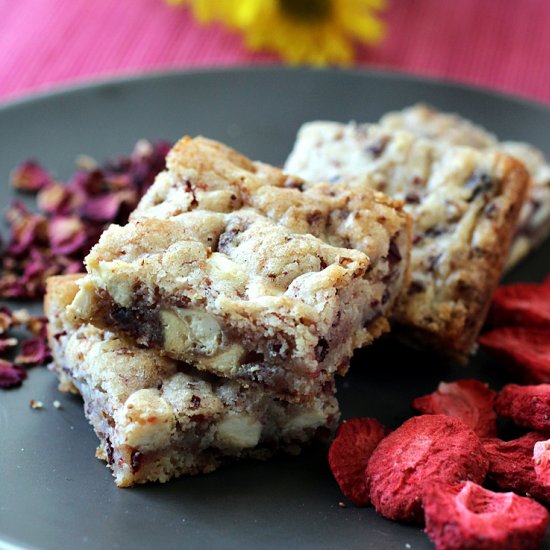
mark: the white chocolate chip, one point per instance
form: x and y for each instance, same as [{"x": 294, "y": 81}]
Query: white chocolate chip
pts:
[
  {"x": 146, "y": 420},
  {"x": 241, "y": 431},
  {"x": 190, "y": 330},
  {"x": 307, "y": 419}
]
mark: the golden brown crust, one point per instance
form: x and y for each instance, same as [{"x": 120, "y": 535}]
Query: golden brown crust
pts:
[
  {"x": 60, "y": 290},
  {"x": 494, "y": 238},
  {"x": 479, "y": 274},
  {"x": 453, "y": 324},
  {"x": 207, "y": 156}
]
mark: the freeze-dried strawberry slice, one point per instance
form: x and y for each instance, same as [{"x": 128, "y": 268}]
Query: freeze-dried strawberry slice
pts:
[
  {"x": 349, "y": 454},
  {"x": 527, "y": 350},
  {"x": 527, "y": 406},
  {"x": 511, "y": 465},
  {"x": 428, "y": 448},
  {"x": 469, "y": 516},
  {"x": 526, "y": 304},
  {"x": 470, "y": 400},
  {"x": 541, "y": 457}
]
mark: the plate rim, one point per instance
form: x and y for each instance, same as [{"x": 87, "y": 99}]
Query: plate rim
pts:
[
  {"x": 121, "y": 80},
  {"x": 39, "y": 99}
]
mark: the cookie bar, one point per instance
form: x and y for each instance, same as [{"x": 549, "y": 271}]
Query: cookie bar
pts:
[
  {"x": 234, "y": 269},
  {"x": 447, "y": 128},
  {"x": 158, "y": 419},
  {"x": 534, "y": 220},
  {"x": 464, "y": 202}
]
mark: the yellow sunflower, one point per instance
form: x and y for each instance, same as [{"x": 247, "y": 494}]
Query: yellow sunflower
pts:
[{"x": 319, "y": 32}]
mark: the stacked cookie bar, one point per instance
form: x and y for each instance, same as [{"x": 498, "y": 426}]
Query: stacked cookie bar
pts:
[
  {"x": 157, "y": 418},
  {"x": 465, "y": 203},
  {"x": 213, "y": 324}
]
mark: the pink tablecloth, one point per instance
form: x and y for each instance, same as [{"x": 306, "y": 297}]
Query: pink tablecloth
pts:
[{"x": 502, "y": 44}]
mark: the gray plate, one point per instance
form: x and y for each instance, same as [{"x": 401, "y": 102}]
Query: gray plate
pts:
[{"x": 53, "y": 492}]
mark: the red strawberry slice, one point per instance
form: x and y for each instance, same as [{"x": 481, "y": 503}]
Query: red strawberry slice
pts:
[
  {"x": 349, "y": 454},
  {"x": 469, "y": 516},
  {"x": 512, "y": 467},
  {"x": 428, "y": 448},
  {"x": 525, "y": 304},
  {"x": 527, "y": 406},
  {"x": 541, "y": 458},
  {"x": 470, "y": 400},
  {"x": 526, "y": 350}
]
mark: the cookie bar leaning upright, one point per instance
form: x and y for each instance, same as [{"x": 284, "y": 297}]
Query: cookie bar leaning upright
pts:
[
  {"x": 231, "y": 267},
  {"x": 157, "y": 418},
  {"x": 464, "y": 202}
]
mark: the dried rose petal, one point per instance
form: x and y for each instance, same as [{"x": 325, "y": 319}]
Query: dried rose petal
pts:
[
  {"x": 106, "y": 207},
  {"x": 37, "y": 325},
  {"x": 25, "y": 232},
  {"x": 11, "y": 375},
  {"x": 35, "y": 269},
  {"x": 72, "y": 218},
  {"x": 119, "y": 181},
  {"x": 11, "y": 287},
  {"x": 6, "y": 319},
  {"x": 67, "y": 234},
  {"x": 72, "y": 267},
  {"x": 34, "y": 351},
  {"x": 7, "y": 343},
  {"x": 88, "y": 183},
  {"x": 21, "y": 316},
  {"x": 56, "y": 199},
  {"x": 30, "y": 176}
]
